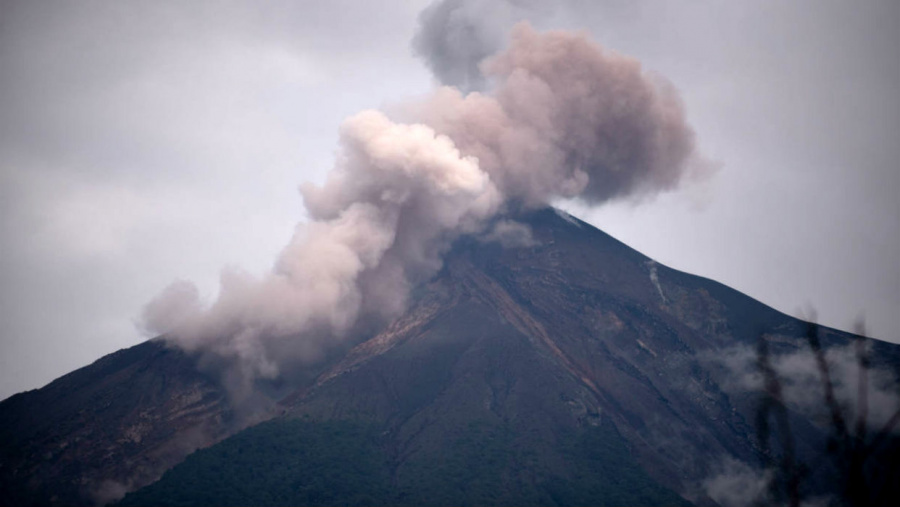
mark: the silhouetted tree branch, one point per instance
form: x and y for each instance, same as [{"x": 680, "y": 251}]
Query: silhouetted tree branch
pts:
[{"x": 850, "y": 450}]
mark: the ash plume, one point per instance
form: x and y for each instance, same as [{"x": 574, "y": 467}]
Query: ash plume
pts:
[
  {"x": 454, "y": 36},
  {"x": 397, "y": 196},
  {"x": 510, "y": 234},
  {"x": 566, "y": 119}
]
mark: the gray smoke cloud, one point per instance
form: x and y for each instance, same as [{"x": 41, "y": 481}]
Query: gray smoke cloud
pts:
[
  {"x": 566, "y": 119},
  {"x": 397, "y": 196},
  {"x": 510, "y": 234},
  {"x": 455, "y": 36}
]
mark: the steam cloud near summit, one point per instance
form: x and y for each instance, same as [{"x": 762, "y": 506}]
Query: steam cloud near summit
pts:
[{"x": 564, "y": 118}]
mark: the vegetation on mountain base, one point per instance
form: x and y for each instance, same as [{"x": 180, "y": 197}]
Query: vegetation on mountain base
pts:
[{"x": 304, "y": 462}]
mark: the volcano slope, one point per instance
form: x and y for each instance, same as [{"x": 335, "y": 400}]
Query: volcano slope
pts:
[
  {"x": 115, "y": 425},
  {"x": 568, "y": 370}
]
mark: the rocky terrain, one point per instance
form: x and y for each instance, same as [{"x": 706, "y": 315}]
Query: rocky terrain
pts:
[{"x": 569, "y": 369}]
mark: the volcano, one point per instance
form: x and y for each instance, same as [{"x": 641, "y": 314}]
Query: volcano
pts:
[{"x": 568, "y": 369}]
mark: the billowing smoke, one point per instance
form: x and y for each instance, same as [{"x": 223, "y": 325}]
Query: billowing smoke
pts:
[
  {"x": 455, "y": 36},
  {"x": 397, "y": 196},
  {"x": 565, "y": 118}
]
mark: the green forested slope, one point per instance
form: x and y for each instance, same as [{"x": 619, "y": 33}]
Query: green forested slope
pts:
[{"x": 302, "y": 462}]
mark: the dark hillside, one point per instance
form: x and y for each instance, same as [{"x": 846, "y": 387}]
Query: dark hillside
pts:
[
  {"x": 299, "y": 462},
  {"x": 569, "y": 371},
  {"x": 108, "y": 427}
]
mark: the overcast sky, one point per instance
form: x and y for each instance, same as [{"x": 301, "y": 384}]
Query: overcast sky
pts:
[{"x": 143, "y": 142}]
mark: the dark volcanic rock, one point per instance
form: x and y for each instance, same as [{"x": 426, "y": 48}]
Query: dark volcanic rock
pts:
[
  {"x": 107, "y": 428},
  {"x": 541, "y": 342}
]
